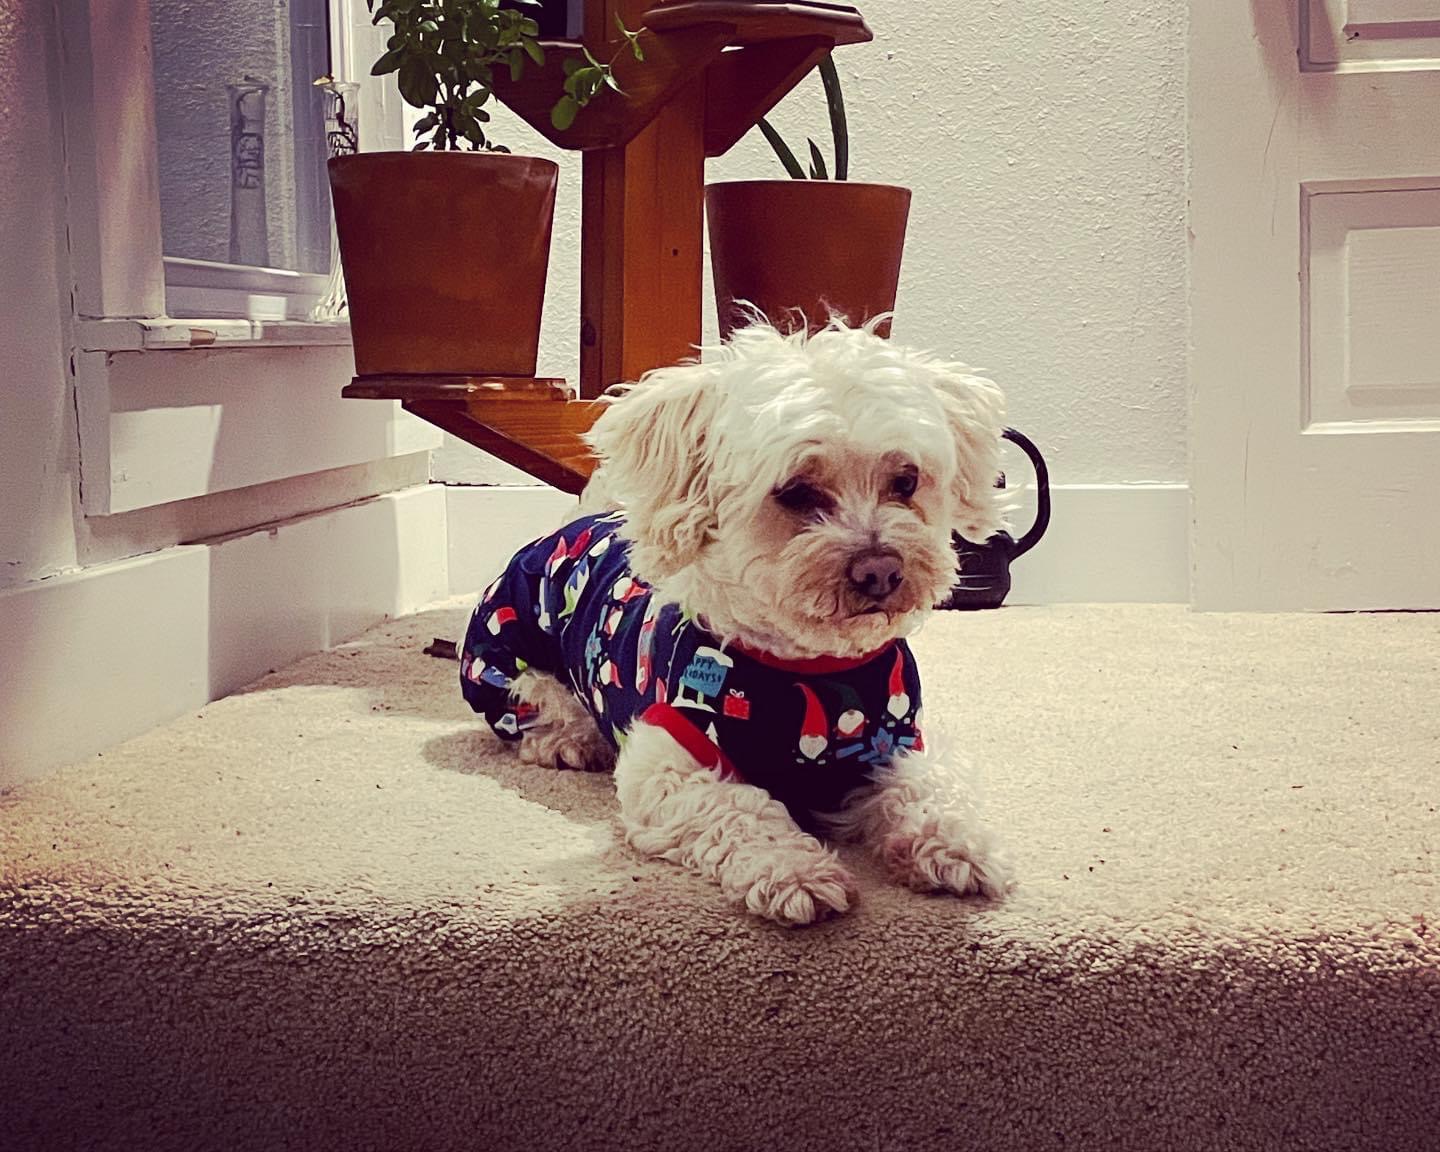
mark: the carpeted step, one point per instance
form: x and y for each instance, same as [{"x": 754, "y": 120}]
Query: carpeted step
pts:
[{"x": 331, "y": 912}]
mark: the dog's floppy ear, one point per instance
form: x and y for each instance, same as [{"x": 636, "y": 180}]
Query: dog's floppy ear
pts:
[
  {"x": 655, "y": 443},
  {"x": 975, "y": 412}
]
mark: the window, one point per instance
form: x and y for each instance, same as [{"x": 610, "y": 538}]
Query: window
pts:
[
  {"x": 241, "y": 149},
  {"x": 151, "y": 158}
]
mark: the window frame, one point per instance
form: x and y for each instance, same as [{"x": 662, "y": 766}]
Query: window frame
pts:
[{"x": 119, "y": 268}]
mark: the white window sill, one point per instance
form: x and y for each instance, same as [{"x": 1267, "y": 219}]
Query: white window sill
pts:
[{"x": 165, "y": 333}]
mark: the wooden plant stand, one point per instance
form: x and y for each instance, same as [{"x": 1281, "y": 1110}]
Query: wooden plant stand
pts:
[{"x": 712, "y": 69}]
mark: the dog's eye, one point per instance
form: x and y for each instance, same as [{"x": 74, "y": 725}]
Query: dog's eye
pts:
[
  {"x": 904, "y": 485},
  {"x": 806, "y": 499}
]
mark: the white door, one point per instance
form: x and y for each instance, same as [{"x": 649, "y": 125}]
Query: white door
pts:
[{"x": 1315, "y": 265}]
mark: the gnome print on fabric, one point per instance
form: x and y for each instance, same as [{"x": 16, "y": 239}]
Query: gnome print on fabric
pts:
[
  {"x": 899, "y": 702},
  {"x": 608, "y": 674},
  {"x": 611, "y": 622},
  {"x": 703, "y": 679},
  {"x": 603, "y": 672},
  {"x": 579, "y": 577},
  {"x": 814, "y": 729},
  {"x": 645, "y": 648},
  {"x": 566, "y": 551},
  {"x": 622, "y": 592},
  {"x": 542, "y": 595},
  {"x": 850, "y": 724},
  {"x": 822, "y": 742},
  {"x": 499, "y": 618},
  {"x": 627, "y": 588},
  {"x": 580, "y": 573},
  {"x": 898, "y": 716}
]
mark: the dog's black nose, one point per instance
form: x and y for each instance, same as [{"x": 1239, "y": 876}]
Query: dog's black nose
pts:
[{"x": 875, "y": 574}]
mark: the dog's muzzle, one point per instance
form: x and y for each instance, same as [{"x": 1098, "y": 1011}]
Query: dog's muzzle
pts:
[{"x": 875, "y": 575}]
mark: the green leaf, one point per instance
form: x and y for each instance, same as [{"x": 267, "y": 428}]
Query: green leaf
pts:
[
  {"x": 633, "y": 38},
  {"x": 817, "y": 162},
  {"x": 571, "y": 66},
  {"x": 583, "y": 83},
  {"x": 839, "y": 131},
  {"x": 387, "y": 63},
  {"x": 564, "y": 113},
  {"x": 418, "y": 85},
  {"x": 782, "y": 150},
  {"x": 446, "y": 53}
]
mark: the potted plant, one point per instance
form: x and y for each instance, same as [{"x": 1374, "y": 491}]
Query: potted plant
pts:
[
  {"x": 810, "y": 245},
  {"x": 445, "y": 248}
]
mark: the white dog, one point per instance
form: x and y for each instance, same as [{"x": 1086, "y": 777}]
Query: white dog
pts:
[{"x": 736, "y": 629}]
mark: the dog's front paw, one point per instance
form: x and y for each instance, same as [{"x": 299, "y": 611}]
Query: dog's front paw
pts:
[
  {"x": 928, "y": 860},
  {"x": 574, "y": 746},
  {"x": 800, "y": 888}
]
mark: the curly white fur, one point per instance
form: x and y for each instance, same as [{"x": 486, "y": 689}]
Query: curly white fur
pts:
[
  {"x": 920, "y": 818},
  {"x": 734, "y": 834},
  {"x": 701, "y": 456}
]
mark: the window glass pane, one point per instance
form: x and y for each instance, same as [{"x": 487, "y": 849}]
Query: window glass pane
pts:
[{"x": 240, "y": 127}]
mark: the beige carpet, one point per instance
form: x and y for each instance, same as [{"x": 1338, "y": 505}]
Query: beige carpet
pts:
[{"x": 330, "y": 913}]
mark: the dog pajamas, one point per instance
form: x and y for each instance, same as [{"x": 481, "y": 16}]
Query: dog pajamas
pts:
[{"x": 806, "y": 731}]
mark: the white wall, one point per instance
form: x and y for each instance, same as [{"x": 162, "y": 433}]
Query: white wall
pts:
[
  {"x": 1045, "y": 144},
  {"x": 37, "y": 428}
]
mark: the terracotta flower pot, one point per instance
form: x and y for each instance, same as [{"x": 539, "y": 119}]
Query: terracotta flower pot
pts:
[
  {"x": 821, "y": 247},
  {"x": 445, "y": 255}
]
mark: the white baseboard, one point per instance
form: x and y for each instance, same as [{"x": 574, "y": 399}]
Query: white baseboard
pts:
[
  {"x": 1113, "y": 543},
  {"x": 107, "y": 653},
  {"x": 96, "y": 657}
]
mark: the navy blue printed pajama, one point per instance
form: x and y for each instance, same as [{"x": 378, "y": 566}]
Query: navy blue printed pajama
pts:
[{"x": 806, "y": 731}]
